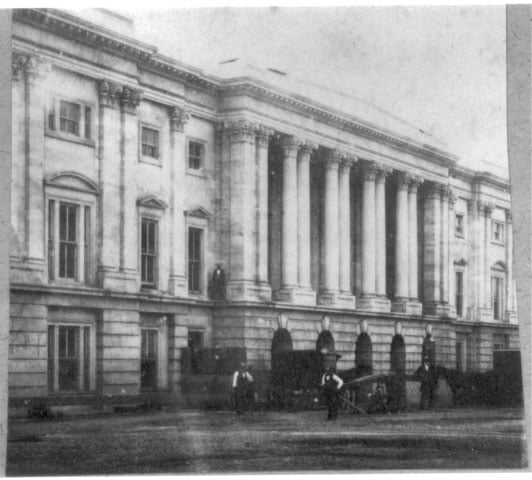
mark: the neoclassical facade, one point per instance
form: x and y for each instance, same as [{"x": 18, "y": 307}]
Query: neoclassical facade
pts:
[{"x": 135, "y": 174}]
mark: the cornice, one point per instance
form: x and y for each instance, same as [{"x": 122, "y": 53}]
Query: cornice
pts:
[{"x": 475, "y": 177}]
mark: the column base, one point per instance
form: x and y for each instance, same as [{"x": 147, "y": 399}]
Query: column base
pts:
[
  {"x": 248, "y": 291},
  {"x": 407, "y": 305},
  {"x": 337, "y": 299},
  {"x": 177, "y": 286},
  {"x": 125, "y": 281},
  {"x": 374, "y": 303},
  {"x": 296, "y": 295}
]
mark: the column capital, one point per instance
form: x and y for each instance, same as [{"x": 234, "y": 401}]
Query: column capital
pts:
[
  {"x": 289, "y": 145},
  {"x": 383, "y": 171},
  {"x": 306, "y": 147},
  {"x": 32, "y": 65},
  {"x": 263, "y": 134},
  {"x": 178, "y": 118},
  {"x": 433, "y": 190},
  {"x": 108, "y": 92},
  {"x": 333, "y": 158},
  {"x": 485, "y": 207},
  {"x": 415, "y": 182},
  {"x": 240, "y": 131},
  {"x": 403, "y": 179},
  {"x": 369, "y": 169},
  {"x": 446, "y": 193}
]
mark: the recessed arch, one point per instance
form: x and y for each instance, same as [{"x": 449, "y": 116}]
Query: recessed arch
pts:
[
  {"x": 500, "y": 266},
  {"x": 364, "y": 354},
  {"x": 398, "y": 354},
  {"x": 325, "y": 341},
  {"x": 72, "y": 181}
]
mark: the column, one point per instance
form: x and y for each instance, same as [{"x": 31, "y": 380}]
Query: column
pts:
[
  {"x": 401, "y": 237},
  {"x": 487, "y": 211},
  {"x": 380, "y": 230},
  {"x": 241, "y": 283},
  {"x": 432, "y": 250},
  {"x": 413, "y": 292},
  {"x": 450, "y": 257},
  {"x": 177, "y": 284},
  {"x": 303, "y": 206},
  {"x": 331, "y": 250},
  {"x": 263, "y": 139},
  {"x": 445, "y": 192},
  {"x": 510, "y": 302},
  {"x": 373, "y": 218}
]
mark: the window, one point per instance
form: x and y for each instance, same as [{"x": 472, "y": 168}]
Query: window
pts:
[
  {"x": 148, "y": 252},
  {"x": 69, "y": 365},
  {"x": 196, "y": 153},
  {"x": 501, "y": 341},
  {"x": 497, "y": 232},
  {"x": 148, "y": 355},
  {"x": 459, "y": 225},
  {"x": 459, "y": 295},
  {"x": 194, "y": 259},
  {"x": 150, "y": 142},
  {"x": 69, "y": 229},
  {"x": 74, "y": 120},
  {"x": 497, "y": 297}
]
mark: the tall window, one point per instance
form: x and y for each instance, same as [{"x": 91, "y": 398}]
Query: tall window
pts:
[
  {"x": 148, "y": 355},
  {"x": 459, "y": 296},
  {"x": 194, "y": 259},
  {"x": 196, "y": 153},
  {"x": 150, "y": 142},
  {"x": 68, "y": 358},
  {"x": 69, "y": 117},
  {"x": 497, "y": 297},
  {"x": 497, "y": 232},
  {"x": 69, "y": 230},
  {"x": 459, "y": 225},
  {"x": 148, "y": 252}
]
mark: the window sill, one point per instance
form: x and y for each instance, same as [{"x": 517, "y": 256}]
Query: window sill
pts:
[
  {"x": 197, "y": 173},
  {"x": 156, "y": 162},
  {"x": 65, "y": 282},
  {"x": 459, "y": 235},
  {"x": 496, "y": 242},
  {"x": 70, "y": 138}
]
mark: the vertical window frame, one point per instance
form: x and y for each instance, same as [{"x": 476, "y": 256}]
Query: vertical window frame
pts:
[
  {"x": 195, "y": 259},
  {"x": 149, "y": 253}
]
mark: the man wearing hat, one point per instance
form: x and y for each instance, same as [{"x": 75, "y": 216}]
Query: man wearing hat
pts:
[
  {"x": 242, "y": 383},
  {"x": 331, "y": 384},
  {"x": 428, "y": 384}
]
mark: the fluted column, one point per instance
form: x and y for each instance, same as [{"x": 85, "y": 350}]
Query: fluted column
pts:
[
  {"x": 303, "y": 205},
  {"x": 344, "y": 233},
  {"x": 262, "y": 258},
  {"x": 289, "y": 246},
  {"x": 413, "y": 292},
  {"x": 330, "y": 224},
  {"x": 432, "y": 250},
  {"x": 380, "y": 229},
  {"x": 177, "y": 284}
]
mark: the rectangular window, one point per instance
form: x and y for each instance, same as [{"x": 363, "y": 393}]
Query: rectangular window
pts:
[
  {"x": 496, "y": 295},
  {"x": 194, "y": 259},
  {"x": 148, "y": 252},
  {"x": 150, "y": 142},
  {"x": 459, "y": 285},
  {"x": 148, "y": 354},
  {"x": 497, "y": 232},
  {"x": 69, "y": 117},
  {"x": 459, "y": 225},
  {"x": 68, "y": 242},
  {"x": 196, "y": 152},
  {"x": 68, "y": 358}
]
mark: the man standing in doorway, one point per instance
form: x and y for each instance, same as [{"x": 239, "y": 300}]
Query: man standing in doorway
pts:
[{"x": 331, "y": 384}]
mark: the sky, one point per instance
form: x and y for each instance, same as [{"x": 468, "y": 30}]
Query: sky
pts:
[{"x": 440, "y": 68}]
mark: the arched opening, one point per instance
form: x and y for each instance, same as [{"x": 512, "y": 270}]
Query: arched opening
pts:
[
  {"x": 363, "y": 355},
  {"x": 281, "y": 343},
  {"x": 398, "y": 355},
  {"x": 325, "y": 342}
]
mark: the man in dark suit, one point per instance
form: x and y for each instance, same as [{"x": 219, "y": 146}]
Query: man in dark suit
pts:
[{"x": 218, "y": 283}]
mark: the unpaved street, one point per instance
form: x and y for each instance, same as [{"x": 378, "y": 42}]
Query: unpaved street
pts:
[{"x": 192, "y": 441}]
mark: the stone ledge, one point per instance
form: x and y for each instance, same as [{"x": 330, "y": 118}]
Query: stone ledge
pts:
[
  {"x": 374, "y": 303},
  {"x": 296, "y": 295},
  {"x": 337, "y": 299}
]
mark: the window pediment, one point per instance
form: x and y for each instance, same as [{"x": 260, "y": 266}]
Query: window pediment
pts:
[
  {"x": 499, "y": 266},
  {"x": 151, "y": 201},
  {"x": 198, "y": 212},
  {"x": 461, "y": 262},
  {"x": 72, "y": 181}
]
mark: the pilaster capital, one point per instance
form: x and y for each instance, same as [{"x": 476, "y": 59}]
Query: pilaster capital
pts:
[
  {"x": 241, "y": 131},
  {"x": 508, "y": 215},
  {"x": 446, "y": 192},
  {"x": 109, "y": 93},
  {"x": 485, "y": 208},
  {"x": 307, "y": 147},
  {"x": 433, "y": 190},
  {"x": 264, "y": 134},
  {"x": 178, "y": 118},
  {"x": 31, "y": 65},
  {"x": 369, "y": 169},
  {"x": 130, "y": 99}
]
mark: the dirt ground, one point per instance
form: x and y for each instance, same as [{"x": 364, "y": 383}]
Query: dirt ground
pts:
[{"x": 193, "y": 441}]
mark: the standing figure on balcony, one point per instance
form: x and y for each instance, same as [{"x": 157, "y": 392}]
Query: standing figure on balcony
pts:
[{"x": 218, "y": 283}]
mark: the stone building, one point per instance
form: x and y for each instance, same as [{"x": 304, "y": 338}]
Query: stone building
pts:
[{"x": 135, "y": 174}]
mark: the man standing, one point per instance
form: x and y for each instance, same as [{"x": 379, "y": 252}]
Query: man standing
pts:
[
  {"x": 331, "y": 384},
  {"x": 218, "y": 283},
  {"x": 242, "y": 382},
  {"x": 428, "y": 384}
]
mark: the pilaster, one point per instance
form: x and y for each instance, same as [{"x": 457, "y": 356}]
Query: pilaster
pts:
[
  {"x": 177, "y": 284},
  {"x": 432, "y": 250}
]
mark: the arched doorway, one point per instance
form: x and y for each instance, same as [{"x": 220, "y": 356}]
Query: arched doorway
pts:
[
  {"x": 364, "y": 355},
  {"x": 325, "y": 342},
  {"x": 281, "y": 342},
  {"x": 398, "y": 355}
]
